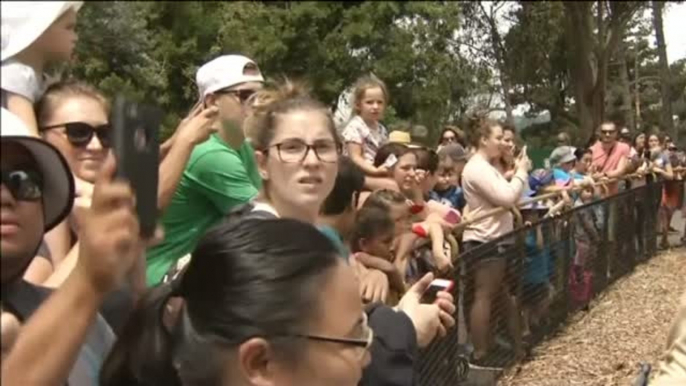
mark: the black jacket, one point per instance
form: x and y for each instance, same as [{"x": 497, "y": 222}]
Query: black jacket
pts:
[{"x": 394, "y": 350}]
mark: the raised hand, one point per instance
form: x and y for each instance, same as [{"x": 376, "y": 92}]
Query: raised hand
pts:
[
  {"x": 110, "y": 241},
  {"x": 197, "y": 126},
  {"x": 429, "y": 320}
]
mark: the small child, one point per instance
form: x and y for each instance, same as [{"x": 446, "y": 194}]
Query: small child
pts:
[
  {"x": 451, "y": 161},
  {"x": 586, "y": 235},
  {"x": 371, "y": 242},
  {"x": 537, "y": 289},
  {"x": 34, "y": 35}
]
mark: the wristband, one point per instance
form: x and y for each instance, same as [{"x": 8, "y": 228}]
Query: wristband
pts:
[
  {"x": 416, "y": 208},
  {"x": 420, "y": 231}
]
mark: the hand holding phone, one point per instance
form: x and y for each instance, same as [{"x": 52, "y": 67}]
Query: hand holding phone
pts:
[
  {"x": 136, "y": 146},
  {"x": 436, "y": 286}
]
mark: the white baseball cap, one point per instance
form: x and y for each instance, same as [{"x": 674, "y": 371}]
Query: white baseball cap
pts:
[
  {"x": 58, "y": 182},
  {"x": 25, "y": 21},
  {"x": 223, "y": 72}
]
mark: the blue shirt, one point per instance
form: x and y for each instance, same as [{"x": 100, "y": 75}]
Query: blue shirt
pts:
[
  {"x": 538, "y": 262},
  {"x": 452, "y": 197}
]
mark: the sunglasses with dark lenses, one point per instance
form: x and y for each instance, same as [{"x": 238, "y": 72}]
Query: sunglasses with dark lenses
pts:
[
  {"x": 25, "y": 184},
  {"x": 243, "y": 95},
  {"x": 80, "y": 134}
]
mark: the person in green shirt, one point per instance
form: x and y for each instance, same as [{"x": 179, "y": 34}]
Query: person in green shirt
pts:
[{"x": 221, "y": 172}]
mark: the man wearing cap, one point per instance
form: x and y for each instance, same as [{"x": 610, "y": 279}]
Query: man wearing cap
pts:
[
  {"x": 37, "y": 193},
  {"x": 563, "y": 161},
  {"x": 221, "y": 172}
]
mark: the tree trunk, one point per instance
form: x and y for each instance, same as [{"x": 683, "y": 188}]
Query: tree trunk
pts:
[
  {"x": 667, "y": 123},
  {"x": 637, "y": 92},
  {"x": 625, "y": 91},
  {"x": 591, "y": 52}
]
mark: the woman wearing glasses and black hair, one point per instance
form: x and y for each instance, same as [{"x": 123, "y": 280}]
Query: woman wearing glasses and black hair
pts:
[
  {"x": 297, "y": 152},
  {"x": 283, "y": 309}
]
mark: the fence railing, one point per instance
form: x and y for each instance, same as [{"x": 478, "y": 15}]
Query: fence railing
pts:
[{"x": 554, "y": 267}]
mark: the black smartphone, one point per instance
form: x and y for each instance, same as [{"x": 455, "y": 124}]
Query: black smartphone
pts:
[{"x": 135, "y": 129}]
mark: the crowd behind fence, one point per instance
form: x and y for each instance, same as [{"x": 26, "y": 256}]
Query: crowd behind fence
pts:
[{"x": 556, "y": 266}]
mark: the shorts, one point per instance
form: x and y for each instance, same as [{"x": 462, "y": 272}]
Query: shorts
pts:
[{"x": 488, "y": 251}]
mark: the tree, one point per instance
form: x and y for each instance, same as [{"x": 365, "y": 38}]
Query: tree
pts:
[
  {"x": 667, "y": 122},
  {"x": 151, "y": 50},
  {"x": 593, "y": 31}
]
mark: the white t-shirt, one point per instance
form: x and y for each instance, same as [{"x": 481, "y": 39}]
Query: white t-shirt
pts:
[
  {"x": 20, "y": 79},
  {"x": 357, "y": 131}
]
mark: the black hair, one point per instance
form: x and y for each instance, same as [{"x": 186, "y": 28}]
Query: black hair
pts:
[
  {"x": 349, "y": 183},
  {"x": 580, "y": 151},
  {"x": 370, "y": 222},
  {"x": 251, "y": 278},
  {"x": 397, "y": 149},
  {"x": 427, "y": 159}
]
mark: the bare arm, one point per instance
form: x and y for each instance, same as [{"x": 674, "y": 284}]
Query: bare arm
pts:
[
  {"x": 23, "y": 108},
  {"x": 355, "y": 151},
  {"x": 75, "y": 301},
  {"x": 395, "y": 279},
  {"x": 620, "y": 170},
  {"x": 194, "y": 129},
  {"x": 171, "y": 170}
]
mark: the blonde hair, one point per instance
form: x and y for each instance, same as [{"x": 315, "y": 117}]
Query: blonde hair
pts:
[
  {"x": 365, "y": 83},
  {"x": 59, "y": 92},
  {"x": 282, "y": 99}
]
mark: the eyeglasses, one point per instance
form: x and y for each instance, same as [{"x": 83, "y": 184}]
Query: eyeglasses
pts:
[
  {"x": 608, "y": 132},
  {"x": 295, "y": 151},
  {"x": 243, "y": 95},
  {"x": 25, "y": 183},
  {"x": 80, "y": 134},
  {"x": 364, "y": 342}
]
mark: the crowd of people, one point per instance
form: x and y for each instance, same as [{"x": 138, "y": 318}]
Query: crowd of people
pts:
[{"x": 289, "y": 251}]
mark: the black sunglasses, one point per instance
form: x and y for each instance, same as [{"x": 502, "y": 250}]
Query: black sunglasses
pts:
[
  {"x": 81, "y": 133},
  {"x": 25, "y": 183},
  {"x": 243, "y": 95}
]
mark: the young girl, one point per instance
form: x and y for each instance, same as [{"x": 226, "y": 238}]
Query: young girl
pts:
[
  {"x": 371, "y": 241},
  {"x": 34, "y": 35},
  {"x": 364, "y": 134}
]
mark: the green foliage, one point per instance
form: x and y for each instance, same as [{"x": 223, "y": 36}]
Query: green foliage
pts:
[{"x": 151, "y": 50}]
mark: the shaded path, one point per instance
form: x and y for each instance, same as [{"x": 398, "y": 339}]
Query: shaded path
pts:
[{"x": 624, "y": 326}]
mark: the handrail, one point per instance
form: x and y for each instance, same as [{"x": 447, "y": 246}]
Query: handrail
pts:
[{"x": 603, "y": 183}]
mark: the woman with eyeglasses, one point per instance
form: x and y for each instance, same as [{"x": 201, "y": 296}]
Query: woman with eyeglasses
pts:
[
  {"x": 263, "y": 302},
  {"x": 297, "y": 152},
  {"x": 451, "y": 134}
]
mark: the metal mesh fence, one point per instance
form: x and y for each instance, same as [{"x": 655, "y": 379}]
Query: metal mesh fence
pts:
[{"x": 514, "y": 291}]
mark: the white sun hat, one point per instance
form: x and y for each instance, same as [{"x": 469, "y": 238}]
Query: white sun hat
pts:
[
  {"x": 224, "y": 72},
  {"x": 58, "y": 182},
  {"x": 25, "y": 21}
]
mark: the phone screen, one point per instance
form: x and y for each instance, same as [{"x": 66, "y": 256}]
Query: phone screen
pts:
[{"x": 435, "y": 287}]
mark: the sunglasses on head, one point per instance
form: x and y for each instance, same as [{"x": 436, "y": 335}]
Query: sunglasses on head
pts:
[
  {"x": 243, "y": 95},
  {"x": 25, "y": 183},
  {"x": 81, "y": 133}
]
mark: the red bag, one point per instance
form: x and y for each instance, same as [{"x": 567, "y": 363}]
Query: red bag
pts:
[{"x": 580, "y": 285}]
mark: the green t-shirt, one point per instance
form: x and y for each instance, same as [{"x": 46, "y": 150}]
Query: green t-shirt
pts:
[{"x": 216, "y": 179}]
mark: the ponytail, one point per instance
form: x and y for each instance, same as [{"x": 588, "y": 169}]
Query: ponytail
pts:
[{"x": 142, "y": 354}]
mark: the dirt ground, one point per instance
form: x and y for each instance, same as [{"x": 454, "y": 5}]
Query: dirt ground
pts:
[{"x": 626, "y": 325}]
